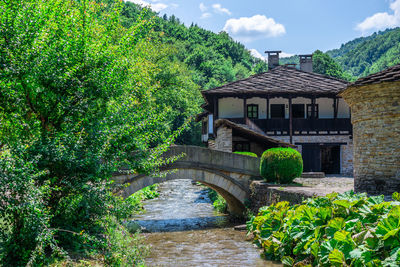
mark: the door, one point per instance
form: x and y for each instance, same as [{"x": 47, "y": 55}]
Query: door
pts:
[
  {"x": 311, "y": 158},
  {"x": 330, "y": 159}
]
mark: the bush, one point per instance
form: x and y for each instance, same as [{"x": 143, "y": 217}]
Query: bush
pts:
[
  {"x": 281, "y": 165},
  {"x": 251, "y": 154},
  {"x": 219, "y": 203},
  {"x": 336, "y": 230}
]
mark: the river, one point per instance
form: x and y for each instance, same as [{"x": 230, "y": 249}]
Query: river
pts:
[{"x": 185, "y": 230}]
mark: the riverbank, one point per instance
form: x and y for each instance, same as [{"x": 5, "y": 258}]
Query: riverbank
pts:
[{"x": 129, "y": 243}]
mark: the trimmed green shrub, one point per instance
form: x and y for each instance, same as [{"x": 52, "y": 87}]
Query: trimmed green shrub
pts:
[
  {"x": 251, "y": 154},
  {"x": 281, "y": 165}
]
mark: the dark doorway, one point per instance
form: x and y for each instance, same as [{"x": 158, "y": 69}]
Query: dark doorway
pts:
[
  {"x": 330, "y": 159},
  {"x": 277, "y": 111},
  {"x": 298, "y": 111},
  {"x": 311, "y": 158}
]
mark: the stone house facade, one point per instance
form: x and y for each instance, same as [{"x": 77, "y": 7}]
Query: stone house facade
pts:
[
  {"x": 284, "y": 107},
  {"x": 375, "y": 104}
]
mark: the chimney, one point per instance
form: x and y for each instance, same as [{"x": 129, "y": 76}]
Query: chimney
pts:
[
  {"x": 273, "y": 59},
  {"x": 306, "y": 63}
]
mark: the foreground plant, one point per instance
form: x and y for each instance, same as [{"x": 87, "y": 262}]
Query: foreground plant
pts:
[
  {"x": 336, "y": 230},
  {"x": 76, "y": 105}
]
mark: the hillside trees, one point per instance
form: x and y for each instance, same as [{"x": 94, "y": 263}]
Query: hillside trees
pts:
[
  {"x": 79, "y": 100},
  {"x": 214, "y": 59},
  {"x": 324, "y": 64},
  {"x": 366, "y": 55}
]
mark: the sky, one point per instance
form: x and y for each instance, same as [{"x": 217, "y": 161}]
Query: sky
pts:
[{"x": 292, "y": 26}]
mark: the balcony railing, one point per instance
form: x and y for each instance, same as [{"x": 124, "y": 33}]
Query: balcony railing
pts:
[{"x": 301, "y": 126}]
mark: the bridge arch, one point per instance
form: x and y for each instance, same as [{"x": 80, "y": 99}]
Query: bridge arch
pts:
[
  {"x": 233, "y": 192},
  {"x": 227, "y": 173}
]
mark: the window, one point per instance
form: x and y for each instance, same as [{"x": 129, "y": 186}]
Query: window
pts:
[
  {"x": 252, "y": 111},
  {"x": 309, "y": 111},
  {"x": 242, "y": 146},
  {"x": 298, "y": 111},
  {"x": 277, "y": 111}
]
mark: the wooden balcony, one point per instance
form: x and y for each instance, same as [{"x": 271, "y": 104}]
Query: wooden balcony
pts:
[{"x": 301, "y": 126}]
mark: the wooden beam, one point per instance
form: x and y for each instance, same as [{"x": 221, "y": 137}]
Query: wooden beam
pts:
[
  {"x": 335, "y": 107},
  {"x": 245, "y": 108},
  {"x": 215, "y": 113},
  {"x": 267, "y": 107},
  {"x": 313, "y": 107},
  {"x": 290, "y": 120}
]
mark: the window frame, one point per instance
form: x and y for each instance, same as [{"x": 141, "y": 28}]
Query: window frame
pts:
[
  {"x": 309, "y": 111},
  {"x": 253, "y": 111}
]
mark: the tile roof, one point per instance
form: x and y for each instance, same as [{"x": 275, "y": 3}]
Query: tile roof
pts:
[
  {"x": 282, "y": 79},
  {"x": 391, "y": 74},
  {"x": 251, "y": 132}
]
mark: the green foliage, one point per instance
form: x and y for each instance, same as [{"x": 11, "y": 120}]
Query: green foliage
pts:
[
  {"x": 367, "y": 55},
  {"x": 336, "y": 230},
  {"x": 124, "y": 249},
  {"x": 281, "y": 165},
  {"x": 78, "y": 103},
  {"x": 218, "y": 201},
  {"x": 214, "y": 59},
  {"x": 251, "y": 154},
  {"x": 134, "y": 201},
  {"x": 324, "y": 64}
]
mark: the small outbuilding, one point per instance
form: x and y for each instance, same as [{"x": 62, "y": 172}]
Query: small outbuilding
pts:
[{"x": 375, "y": 107}]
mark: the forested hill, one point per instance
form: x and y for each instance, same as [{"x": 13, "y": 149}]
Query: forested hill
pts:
[
  {"x": 214, "y": 59},
  {"x": 366, "y": 55},
  {"x": 361, "y": 56}
]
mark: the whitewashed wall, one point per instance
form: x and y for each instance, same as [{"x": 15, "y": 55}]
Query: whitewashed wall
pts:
[
  {"x": 343, "y": 110},
  {"x": 230, "y": 107},
  {"x": 262, "y": 106},
  {"x": 325, "y": 106}
]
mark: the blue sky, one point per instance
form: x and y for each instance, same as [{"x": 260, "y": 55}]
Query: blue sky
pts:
[{"x": 293, "y": 26}]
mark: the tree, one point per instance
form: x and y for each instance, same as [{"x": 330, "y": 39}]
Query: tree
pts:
[
  {"x": 77, "y": 104},
  {"x": 324, "y": 64}
]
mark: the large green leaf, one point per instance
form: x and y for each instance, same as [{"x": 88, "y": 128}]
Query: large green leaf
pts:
[{"x": 336, "y": 258}]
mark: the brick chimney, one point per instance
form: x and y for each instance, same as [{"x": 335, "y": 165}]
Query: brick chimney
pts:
[
  {"x": 306, "y": 63},
  {"x": 273, "y": 59}
]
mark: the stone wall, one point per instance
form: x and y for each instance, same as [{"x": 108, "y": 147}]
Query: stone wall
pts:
[
  {"x": 263, "y": 194},
  {"x": 376, "y": 131},
  {"x": 223, "y": 140},
  {"x": 346, "y": 151}
]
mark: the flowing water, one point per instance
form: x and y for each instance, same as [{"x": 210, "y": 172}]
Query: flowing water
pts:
[{"x": 185, "y": 230}]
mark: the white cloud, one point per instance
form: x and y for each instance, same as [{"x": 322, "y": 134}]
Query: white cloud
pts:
[
  {"x": 157, "y": 7},
  {"x": 221, "y": 10},
  {"x": 257, "y": 54},
  {"x": 283, "y": 54},
  {"x": 249, "y": 29},
  {"x": 206, "y": 15},
  {"x": 382, "y": 20},
  {"x": 203, "y": 7}
]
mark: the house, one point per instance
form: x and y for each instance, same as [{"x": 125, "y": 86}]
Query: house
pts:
[
  {"x": 375, "y": 104},
  {"x": 284, "y": 107}
]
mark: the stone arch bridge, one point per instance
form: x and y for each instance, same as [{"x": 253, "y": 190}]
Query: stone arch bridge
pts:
[{"x": 227, "y": 173}]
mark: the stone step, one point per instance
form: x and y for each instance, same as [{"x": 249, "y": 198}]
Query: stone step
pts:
[
  {"x": 313, "y": 175},
  {"x": 241, "y": 227}
]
